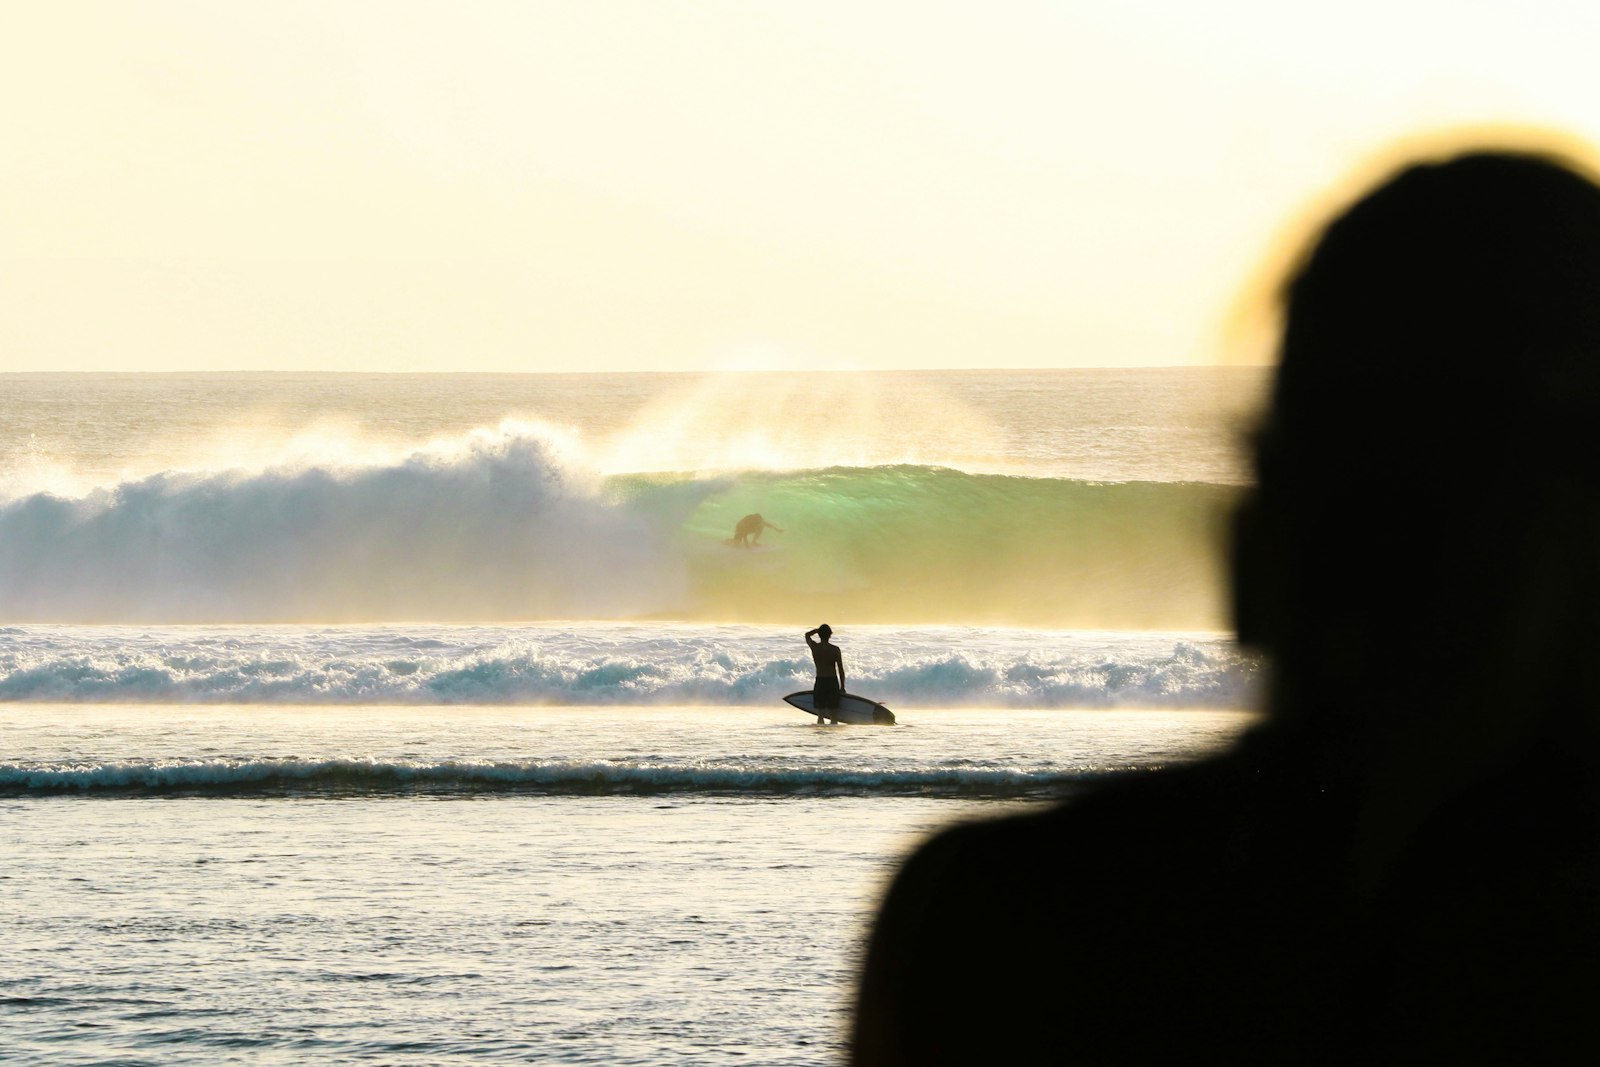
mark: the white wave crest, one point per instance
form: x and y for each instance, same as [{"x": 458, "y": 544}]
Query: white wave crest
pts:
[{"x": 493, "y": 525}]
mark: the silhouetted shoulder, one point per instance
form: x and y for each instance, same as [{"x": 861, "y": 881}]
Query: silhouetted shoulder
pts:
[
  {"x": 1149, "y": 906},
  {"x": 1238, "y": 906}
]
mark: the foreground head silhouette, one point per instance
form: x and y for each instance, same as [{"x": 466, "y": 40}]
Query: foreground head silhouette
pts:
[{"x": 1402, "y": 864}]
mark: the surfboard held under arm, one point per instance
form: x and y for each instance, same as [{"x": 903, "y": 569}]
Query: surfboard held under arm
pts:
[{"x": 857, "y": 711}]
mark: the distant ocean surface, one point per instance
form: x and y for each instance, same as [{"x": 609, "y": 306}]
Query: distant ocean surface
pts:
[{"x": 429, "y": 718}]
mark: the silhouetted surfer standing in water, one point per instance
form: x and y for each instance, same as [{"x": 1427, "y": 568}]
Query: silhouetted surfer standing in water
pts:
[
  {"x": 830, "y": 670},
  {"x": 1401, "y": 864}
]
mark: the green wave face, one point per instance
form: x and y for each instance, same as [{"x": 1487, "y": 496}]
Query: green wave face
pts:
[{"x": 911, "y": 544}]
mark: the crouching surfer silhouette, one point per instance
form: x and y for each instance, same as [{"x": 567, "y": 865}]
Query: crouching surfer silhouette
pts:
[
  {"x": 1401, "y": 863},
  {"x": 747, "y": 532},
  {"x": 830, "y": 671}
]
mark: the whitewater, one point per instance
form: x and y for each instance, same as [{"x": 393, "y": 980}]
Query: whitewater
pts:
[
  {"x": 613, "y": 664},
  {"x": 417, "y": 719}
]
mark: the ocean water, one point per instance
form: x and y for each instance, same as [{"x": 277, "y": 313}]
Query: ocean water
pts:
[{"x": 423, "y": 719}]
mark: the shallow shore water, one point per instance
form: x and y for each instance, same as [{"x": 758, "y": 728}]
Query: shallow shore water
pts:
[{"x": 633, "y": 919}]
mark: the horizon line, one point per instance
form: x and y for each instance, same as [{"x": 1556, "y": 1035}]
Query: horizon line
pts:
[{"x": 702, "y": 370}]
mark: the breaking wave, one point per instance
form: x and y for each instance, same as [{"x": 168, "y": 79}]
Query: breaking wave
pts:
[{"x": 500, "y": 526}]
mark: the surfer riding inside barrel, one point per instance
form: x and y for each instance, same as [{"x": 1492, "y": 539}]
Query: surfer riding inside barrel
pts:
[
  {"x": 748, "y": 530},
  {"x": 830, "y": 671}
]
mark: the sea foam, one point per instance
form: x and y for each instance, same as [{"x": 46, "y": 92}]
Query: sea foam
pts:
[{"x": 600, "y": 664}]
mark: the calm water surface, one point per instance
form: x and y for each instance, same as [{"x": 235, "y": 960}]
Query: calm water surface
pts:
[{"x": 635, "y": 920}]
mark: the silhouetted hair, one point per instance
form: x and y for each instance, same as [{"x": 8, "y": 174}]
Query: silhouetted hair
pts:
[
  {"x": 825, "y": 631},
  {"x": 1435, "y": 407},
  {"x": 1455, "y": 289}
]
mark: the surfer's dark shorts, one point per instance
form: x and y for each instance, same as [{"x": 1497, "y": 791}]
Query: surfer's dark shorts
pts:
[{"x": 825, "y": 694}]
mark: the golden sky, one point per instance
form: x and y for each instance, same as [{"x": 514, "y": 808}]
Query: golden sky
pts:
[{"x": 515, "y": 185}]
